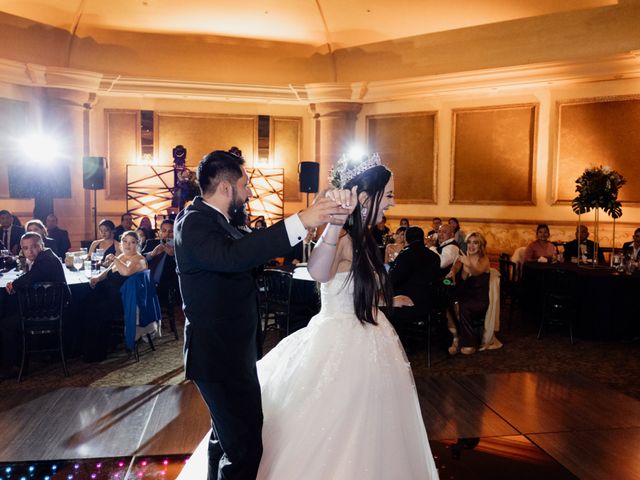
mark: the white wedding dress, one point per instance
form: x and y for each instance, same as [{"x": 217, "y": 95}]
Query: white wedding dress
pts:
[{"x": 339, "y": 402}]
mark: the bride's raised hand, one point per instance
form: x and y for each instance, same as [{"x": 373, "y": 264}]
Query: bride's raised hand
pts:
[{"x": 346, "y": 200}]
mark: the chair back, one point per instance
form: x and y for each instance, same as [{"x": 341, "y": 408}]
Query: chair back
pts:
[
  {"x": 277, "y": 288},
  {"x": 42, "y": 303},
  {"x": 507, "y": 274}
]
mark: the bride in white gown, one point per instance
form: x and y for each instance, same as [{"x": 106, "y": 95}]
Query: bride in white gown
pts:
[{"x": 338, "y": 396}]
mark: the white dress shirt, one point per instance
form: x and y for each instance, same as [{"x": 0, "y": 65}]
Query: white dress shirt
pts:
[{"x": 448, "y": 254}]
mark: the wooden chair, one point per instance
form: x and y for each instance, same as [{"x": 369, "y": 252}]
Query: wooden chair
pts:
[
  {"x": 509, "y": 284},
  {"x": 41, "y": 307}
]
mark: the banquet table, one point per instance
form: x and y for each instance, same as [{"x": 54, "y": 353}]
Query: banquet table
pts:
[
  {"x": 607, "y": 302},
  {"x": 76, "y": 313}
]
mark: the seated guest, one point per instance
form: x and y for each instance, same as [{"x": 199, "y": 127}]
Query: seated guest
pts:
[
  {"x": 435, "y": 227},
  {"x": 149, "y": 231},
  {"x": 632, "y": 249},
  {"x": 470, "y": 296},
  {"x": 107, "y": 243},
  {"x": 380, "y": 232},
  {"x": 404, "y": 222},
  {"x": 392, "y": 250},
  {"x": 160, "y": 255},
  {"x": 301, "y": 252},
  {"x": 260, "y": 223},
  {"x": 142, "y": 235},
  {"x": 541, "y": 246},
  {"x": 43, "y": 266},
  {"x": 587, "y": 247},
  {"x": 414, "y": 270},
  {"x": 37, "y": 226},
  {"x": 10, "y": 234},
  {"x": 458, "y": 234},
  {"x": 105, "y": 300},
  {"x": 60, "y": 236},
  {"x": 126, "y": 224},
  {"x": 447, "y": 249}
]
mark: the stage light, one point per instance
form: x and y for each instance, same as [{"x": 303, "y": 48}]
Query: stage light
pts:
[
  {"x": 356, "y": 152},
  {"x": 40, "y": 147}
]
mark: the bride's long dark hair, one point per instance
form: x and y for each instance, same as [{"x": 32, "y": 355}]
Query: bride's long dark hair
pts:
[{"x": 371, "y": 284}]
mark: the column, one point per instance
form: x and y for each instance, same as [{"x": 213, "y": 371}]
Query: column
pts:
[{"x": 335, "y": 133}]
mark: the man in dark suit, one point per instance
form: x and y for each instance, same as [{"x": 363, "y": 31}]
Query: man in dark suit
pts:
[
  {"x": 215, "y": 262},
  {"x": 59, "y": 235},
  {"x": 43, "y": 266},
  {"x": 126, "y": 224},
  {"x": 632, "y": 249},
  {"x": 414, "y": 270},
  {"x": 301, "y": 252},
  {"x": 10, "y": 234},
  {"x": 571, "y": 249}
]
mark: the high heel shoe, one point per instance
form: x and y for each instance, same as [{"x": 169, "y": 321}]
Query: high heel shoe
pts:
[
  {"x": 467, "y": 350},
  {"x": 454, "y": 348}
]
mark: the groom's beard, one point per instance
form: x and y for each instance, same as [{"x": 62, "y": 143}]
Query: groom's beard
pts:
[{"x": 237, "y": 211}]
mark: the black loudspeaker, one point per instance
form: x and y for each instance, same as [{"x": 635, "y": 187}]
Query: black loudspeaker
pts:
[
  {"x": 93, "y": 173},
  {"x": 309, "y": 173}
]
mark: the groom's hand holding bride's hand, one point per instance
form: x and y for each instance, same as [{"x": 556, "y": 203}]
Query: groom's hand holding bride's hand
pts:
[
  {"x": 331, "y": 206},
  {"x": 346, "y": 200}
]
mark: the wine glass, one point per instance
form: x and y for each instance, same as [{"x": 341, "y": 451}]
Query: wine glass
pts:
[{"x": 78, "y": 262}]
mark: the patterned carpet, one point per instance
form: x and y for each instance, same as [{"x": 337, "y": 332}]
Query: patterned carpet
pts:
[{"x": 615, "y": 364}]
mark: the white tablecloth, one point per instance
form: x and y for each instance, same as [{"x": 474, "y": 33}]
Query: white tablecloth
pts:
[{"x": 73, "y": 278}]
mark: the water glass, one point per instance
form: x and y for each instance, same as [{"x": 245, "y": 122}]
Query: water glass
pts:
[
  {"x": 87, "y": 268},
  {"x": 78, "y": 262}
]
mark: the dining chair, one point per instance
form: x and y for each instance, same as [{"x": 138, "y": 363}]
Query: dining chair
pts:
[
  {"x": 509, "y": 285},
  {"x": 276, "y": 296},
  {"x": 41, "y": 306},
  {"x": 558, "y": 300}
]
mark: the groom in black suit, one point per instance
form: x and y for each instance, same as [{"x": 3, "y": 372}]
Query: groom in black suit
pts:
[{"x": 215, "y": 262}]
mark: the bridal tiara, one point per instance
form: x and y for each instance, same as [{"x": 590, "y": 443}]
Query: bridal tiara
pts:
[{"x": 347, "y": 168}]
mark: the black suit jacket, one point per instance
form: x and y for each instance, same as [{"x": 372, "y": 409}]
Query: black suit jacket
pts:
[
  {"x": 627, "y": 249},
  {"x": 14, "y": 238},
  {"x": 62, "y": 240},
  {"x": 46, "y": 268},
  {"x": 215, "y": 263},
  {"x": 412, "y": 273},
  {"x": 571, "y": 250}
]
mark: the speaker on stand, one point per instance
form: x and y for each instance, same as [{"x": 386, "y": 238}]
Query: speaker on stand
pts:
[
  {"x": 308, "y": 175},
  {"x": 93, "y": 173}
]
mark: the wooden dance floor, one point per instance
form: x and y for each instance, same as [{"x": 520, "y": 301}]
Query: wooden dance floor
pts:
[{"x": 519, "y": 425}]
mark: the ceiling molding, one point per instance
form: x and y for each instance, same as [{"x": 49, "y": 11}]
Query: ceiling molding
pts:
[{"x": 622, "y": 66}]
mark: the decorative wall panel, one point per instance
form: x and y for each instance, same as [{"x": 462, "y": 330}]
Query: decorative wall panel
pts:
[
  {"x": 598, "y": 132},
  {"x": 201, "y": 134},
  {"x": 407, "y": 145},
  {"x": 123, "y": 147},
  {"x": 13, "y": 125},
  {"x": 285, "y": 150},
  {"x": 493, "y": 152}
]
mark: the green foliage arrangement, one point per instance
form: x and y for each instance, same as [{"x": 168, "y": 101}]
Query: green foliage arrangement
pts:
[{"x": 598, "y": 187}]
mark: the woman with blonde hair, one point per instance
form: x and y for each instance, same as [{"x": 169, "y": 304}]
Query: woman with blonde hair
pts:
[{"x": 470, "y": 296}]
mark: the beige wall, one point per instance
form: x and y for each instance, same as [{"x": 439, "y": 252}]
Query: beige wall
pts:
[{"x": 513, "y": 224}]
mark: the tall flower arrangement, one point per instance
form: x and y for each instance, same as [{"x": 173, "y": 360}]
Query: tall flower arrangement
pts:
[{"x": 597, "y": 188}]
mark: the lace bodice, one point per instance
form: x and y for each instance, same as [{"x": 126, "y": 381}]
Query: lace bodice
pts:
[{"x": 337, "y": 295}]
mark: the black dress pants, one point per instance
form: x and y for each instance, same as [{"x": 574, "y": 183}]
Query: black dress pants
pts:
[{"x": 235, "y": 446}]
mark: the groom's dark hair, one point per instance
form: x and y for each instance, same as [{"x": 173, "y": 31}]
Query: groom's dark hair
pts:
[{"x": 216, "y": 167}]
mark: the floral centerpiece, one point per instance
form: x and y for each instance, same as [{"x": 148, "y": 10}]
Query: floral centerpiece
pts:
[{"x": 598, "y": 187}]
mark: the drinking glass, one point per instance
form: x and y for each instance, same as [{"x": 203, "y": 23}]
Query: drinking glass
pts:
[
  {"x": 78, "y": 262},
  {"x": 87, "y": 268}
]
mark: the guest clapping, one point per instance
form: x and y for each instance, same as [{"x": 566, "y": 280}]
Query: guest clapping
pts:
[
  {"x": 470, "y": 296},
  {"x": 107, "y": 243},
  {"x": 448, "y": 249},
  {"x": 541, "y": 247}
]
